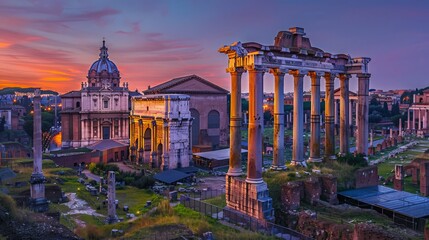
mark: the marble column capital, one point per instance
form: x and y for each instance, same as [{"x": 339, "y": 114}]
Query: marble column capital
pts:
[
  {"x": 278, "y": 71},
  {"x": 330, "y": 77},
  {"x": 298, "y": 73},
  {"x": 255, "y": 68},
  {"x": 313, "y": 74},
  {"x": 363, "y": 75},
  {"x": 344, "y": 76},
  {"x": 235, "y": 70}
]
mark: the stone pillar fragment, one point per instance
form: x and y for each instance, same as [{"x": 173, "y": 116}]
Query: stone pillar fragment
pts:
[
  {"x": 111, "y": 198},
  {"x": 315, "y": 118},
  {"x": 424, "y": 179},
  {"x": 344, "y": 113},
  {"x": 298, "y": 121},
  {"x": 362, "y": 115},
  {"x": 279, "y": 131},
  {"x": 329, "y": 117},
  {"x": 291, "y": 195},
  {"x": 256, "y": 125},
  {"x": 398, "y": 181},
  {"x": 235, "y": 123},
  {"x": 38, "y": 201}
]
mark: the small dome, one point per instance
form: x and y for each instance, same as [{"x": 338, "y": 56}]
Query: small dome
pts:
[{"x": 103, "y": 63}]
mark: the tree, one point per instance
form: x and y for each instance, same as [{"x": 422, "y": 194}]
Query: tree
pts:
[
  {"x": 395, "y": 109},
  {"x": 385, "y": 112},
  {"x": 2, "y": 124}
]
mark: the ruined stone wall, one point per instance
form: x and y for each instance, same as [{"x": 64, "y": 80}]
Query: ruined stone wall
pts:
[{"x": 366, "y": 177}]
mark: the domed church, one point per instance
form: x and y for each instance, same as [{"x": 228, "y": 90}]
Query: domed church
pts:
[{"x": 99, "y": 110}]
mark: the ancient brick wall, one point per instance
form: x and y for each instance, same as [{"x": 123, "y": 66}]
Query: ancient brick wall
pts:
[{"x": 366, "y": 177}]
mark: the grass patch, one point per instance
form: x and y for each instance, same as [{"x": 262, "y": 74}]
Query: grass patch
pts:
[{"x": 219, "y": 201}]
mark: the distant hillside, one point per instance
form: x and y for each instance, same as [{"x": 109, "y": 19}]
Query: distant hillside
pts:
[{"x": 12, "y": 90}]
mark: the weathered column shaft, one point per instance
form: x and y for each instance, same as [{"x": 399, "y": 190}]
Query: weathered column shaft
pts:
[
  {"x": 37, "y": 135},
  {"x": 235, "y": 124},
  {"x": 344, "y": 113},
  {"x": 298, "y": 119},
  {"x": 419, "y": 125},
  {"x": 329, "y": 116},
  {"x": 408, "y": 120},
  {"x": 279, "y": 130},
  {"x": 350, "y": 112},
  {"x": 335, "y": 111},
  {"x": 414, "y": 119},
  {"x": 111, "y": 196},
  {"x": 315, "y": 118},
  {"x": 425, "y": 119},
  {"x": 256, "y": 125},
  {"x": 362, "y": 115}
]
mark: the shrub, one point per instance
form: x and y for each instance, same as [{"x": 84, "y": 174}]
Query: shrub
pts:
[{"x": 358, "y": 160}]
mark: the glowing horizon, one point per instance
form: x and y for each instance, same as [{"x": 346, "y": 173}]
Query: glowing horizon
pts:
[{"x": 52, "y": 44}]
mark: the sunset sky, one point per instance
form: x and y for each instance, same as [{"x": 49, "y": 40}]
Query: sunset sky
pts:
[{"x": 51, "y": 44}]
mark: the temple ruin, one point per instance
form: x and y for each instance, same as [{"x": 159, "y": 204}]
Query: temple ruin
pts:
[{"x": 292, "y": 54}]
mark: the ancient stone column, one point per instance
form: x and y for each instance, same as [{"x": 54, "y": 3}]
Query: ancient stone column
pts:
[
  {"x": 279, "y": 129},
  {"x": 350, "y": 112},
  {"x": 408, "y": 120},
  {"x": 315, "y": 118},
  {"x": 344, "y": 113},
  {"x": 140, "y": 137},
  {"x": 398, "y": 181},
  {"x": 419, "y": 125},
  {"x": 38, "y": 201},
  {"x": 256, "y": 125},
  {"x": 414, "y": 120},
  {"x": 425, "y": 119},
  {"x": 111, "y": 198},
  {"x": 298, "y": 121},
  {"x": 362, "y": 115},
  {"x": 400, "y": 127},
  {"x": 336, "y": 111},
  {"x": 153, "y": 153},
  {"x": 235, "y": 123},
  {"x": 329, "y": 116},
  {"x": 165, "y": 149}
]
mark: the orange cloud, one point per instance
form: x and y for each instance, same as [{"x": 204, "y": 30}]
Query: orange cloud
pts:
[{"x": 4, "y": 44}]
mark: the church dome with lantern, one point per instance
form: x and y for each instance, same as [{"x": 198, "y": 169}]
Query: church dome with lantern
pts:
[{"x": 103, "y": 70}]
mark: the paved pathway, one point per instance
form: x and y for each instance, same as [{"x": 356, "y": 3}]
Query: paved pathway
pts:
[{"x": 91, "y": 175}]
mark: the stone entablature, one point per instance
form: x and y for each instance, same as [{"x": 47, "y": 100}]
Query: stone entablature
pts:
[{"x": 160, "y": 130}]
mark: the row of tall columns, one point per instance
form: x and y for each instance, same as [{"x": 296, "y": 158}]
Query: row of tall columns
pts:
[
  {"x": 255, "y": 122},
  {"x": 422, "y": 120}
]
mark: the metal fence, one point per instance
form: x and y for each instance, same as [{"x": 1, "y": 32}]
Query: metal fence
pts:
[
  {"x": 242, "y": 220},
  {"x": 203, "y": 195}
]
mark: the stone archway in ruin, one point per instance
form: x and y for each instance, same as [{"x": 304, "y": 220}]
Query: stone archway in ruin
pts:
[
  {"x": 293, "y": 54},
  {"x": 147, "y": 144}
]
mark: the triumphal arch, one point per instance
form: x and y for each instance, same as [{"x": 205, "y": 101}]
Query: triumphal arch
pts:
[
  {"x": 160, "y": 130},
  {"x": 292, "y": 53}
]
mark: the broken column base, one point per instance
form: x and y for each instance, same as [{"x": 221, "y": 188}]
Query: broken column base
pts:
[
  {"x": 39, "y": 204},
  {"x": 251, "y": 199},
  {"x": 111, "y": 220}
]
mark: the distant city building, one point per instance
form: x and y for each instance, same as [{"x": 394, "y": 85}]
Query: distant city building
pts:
[
  {"x": 417, "y": 121},
  {"x": 12, "y": 114},
  {"x": 208, "y": 106},
  {"x": 100, "y": 110}
]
